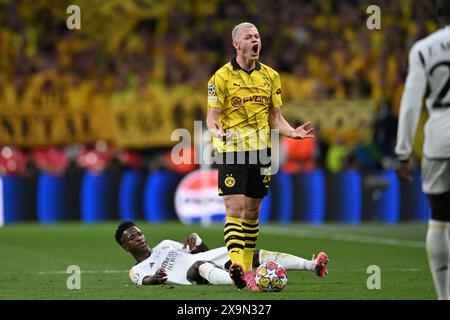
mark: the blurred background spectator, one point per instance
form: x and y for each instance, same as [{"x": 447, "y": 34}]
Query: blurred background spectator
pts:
[
  {"x": 129, "y": 49},
  {"x": 13, "y": 162}
]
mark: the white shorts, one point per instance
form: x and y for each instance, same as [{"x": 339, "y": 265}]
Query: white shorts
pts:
[{"x": 435, "y": 176}]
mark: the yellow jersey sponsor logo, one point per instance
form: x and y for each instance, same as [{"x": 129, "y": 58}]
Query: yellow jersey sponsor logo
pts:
[{"x": 237, "y": 101}]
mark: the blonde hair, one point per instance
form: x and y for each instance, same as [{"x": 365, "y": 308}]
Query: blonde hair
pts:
[{"x": 237, "y": 29}]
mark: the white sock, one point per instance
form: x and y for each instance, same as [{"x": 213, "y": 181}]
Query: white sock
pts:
[
  {"x": 213, "y": 274},
  {"x": 288, "y": 261},
  {"x": 438, "y": 250}
]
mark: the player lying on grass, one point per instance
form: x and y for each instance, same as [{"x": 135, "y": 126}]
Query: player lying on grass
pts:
[{"x": 192, "y": 262}]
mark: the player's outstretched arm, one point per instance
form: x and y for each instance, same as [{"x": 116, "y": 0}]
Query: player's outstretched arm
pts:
[
  {"x": 195, "y": 243},
  {"x": 158, "y": 278},
  {"x": 278, "y": 122}
]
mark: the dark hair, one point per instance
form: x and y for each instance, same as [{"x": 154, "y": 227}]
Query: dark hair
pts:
[
  {"x": 121, "y": 228},
  {"x": 443, "y": 10}
]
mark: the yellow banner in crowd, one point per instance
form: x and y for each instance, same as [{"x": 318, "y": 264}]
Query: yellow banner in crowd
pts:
[
  {"x": 350, "y": 120},
  {"x": 150, "y": 123},
  {"x": 61, "y": 114},
  {"x": 37, "y": 128}
]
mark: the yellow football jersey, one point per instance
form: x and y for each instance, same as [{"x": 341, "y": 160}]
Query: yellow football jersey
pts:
[{"x": 245, "y": 99}]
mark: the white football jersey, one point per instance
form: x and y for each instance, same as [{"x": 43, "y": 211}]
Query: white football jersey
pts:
[
  {"x": 168, "y": 255},
  {"x": 171, "y": 256},
  {"x": 429, "y": 68}
]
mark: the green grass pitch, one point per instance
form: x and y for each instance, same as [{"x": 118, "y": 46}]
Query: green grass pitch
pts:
[{"x": 34, "y": 259}]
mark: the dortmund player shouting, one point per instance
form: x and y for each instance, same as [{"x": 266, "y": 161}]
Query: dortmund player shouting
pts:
[{"x": 244, "y": 104}]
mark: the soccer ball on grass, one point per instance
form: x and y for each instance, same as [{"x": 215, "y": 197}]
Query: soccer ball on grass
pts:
[{"x": 271, "y": 277}]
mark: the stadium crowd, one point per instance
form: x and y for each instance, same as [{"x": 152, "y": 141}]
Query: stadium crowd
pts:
[{"x": 322, "y": 49}]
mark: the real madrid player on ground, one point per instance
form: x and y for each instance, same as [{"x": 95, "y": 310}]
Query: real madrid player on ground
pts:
[
  {"x": 244, "y": 103},
  {"x": 192, "y": 262},
  {"x": 429, "y": 70}
]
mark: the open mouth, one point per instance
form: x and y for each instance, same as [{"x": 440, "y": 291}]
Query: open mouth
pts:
[{"x": 255, "y": 49}]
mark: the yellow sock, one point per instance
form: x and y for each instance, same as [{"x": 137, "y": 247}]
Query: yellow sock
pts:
[
  {"x": 234, "y": 240},
  {"x": 250, "y": 229}
]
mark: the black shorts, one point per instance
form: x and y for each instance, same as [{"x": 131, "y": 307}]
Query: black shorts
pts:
[{"x": 250, "y": 179}]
